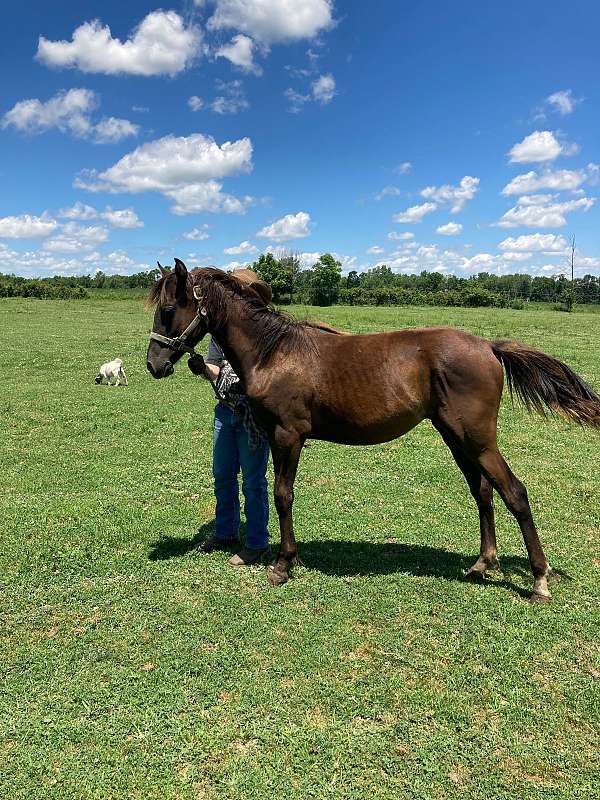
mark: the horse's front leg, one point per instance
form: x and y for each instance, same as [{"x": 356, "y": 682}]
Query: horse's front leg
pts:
[{"x": 286, "y": 448}]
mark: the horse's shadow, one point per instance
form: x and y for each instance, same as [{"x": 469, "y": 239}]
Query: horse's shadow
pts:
[{"x": 355, "y": 559}]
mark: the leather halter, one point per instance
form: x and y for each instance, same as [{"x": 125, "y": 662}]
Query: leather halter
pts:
[{"x": 179, "y": 343}]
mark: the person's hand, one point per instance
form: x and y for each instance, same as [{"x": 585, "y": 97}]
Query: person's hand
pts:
[{"x": 197, "y": 365}]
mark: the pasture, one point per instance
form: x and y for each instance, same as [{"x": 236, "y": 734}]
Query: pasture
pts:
[{"x": 131, "y": 667}]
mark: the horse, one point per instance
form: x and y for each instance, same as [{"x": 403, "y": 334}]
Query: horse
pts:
[{"x": 306, "y": 380}]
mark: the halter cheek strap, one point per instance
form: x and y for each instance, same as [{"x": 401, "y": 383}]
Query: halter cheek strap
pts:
[{"x": 178, "y": 343}]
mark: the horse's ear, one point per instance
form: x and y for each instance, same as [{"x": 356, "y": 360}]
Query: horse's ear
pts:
[
  {"x": 164, "y": 272},
  {"x": 180, "y": 269}
]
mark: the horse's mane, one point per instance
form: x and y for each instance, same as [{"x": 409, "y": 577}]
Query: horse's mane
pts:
[{"x": 274, "y": 329}]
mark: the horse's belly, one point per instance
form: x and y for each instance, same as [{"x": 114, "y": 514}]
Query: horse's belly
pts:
[{"x": 357, "y": 434}]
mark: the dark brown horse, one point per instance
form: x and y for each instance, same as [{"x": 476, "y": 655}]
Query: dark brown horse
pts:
[{"x": 305, "y": 380}]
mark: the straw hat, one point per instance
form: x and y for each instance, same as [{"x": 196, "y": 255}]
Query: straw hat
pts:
[{"x": 251, "y": 279}]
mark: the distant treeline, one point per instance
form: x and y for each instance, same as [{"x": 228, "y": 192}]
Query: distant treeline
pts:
[
  {"x": 73, "y": 287},
  {"x": 323, "y": 284}
]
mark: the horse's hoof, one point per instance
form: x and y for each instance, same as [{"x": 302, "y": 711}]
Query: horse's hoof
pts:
[
  {"x": 540, "y": 598},
  {"x": 276, "y": 577},
  {"x": 474, "y": 575}
]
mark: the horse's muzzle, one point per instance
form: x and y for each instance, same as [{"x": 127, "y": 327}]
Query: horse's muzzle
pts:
[{"x": 163, "y": 371}]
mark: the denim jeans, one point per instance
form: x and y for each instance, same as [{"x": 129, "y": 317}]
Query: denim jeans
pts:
[{"x": 230, "y": 453}]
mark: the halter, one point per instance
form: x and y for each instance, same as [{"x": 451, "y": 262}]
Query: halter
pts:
[{"x": 178, "y": 343}]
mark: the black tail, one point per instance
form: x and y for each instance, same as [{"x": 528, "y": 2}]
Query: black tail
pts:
[{"x": 541, "y": 382}]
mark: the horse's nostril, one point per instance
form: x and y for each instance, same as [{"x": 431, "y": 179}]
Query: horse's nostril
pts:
[{"x": 168, "y": 369}]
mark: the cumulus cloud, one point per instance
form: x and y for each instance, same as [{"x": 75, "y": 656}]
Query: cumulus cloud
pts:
[
  {"x": 401, "y": 237},
  {"x": 68, "y": 112},
  {"x": 195, "y": 103},
  {"x": 197, "y": 234},
  {"x": 323, "y": 89},
  {"x": 542, "y": 211},
  {"x": 535, "y": 243},
  {"x": 414, "y": 213},
  {"x": 272, "y": 21},
  {"x": 162, "y": 44},
  {"x": 450, "y": 229},
  {"x": 292, "y": 226},
  {"x": 376, "y": 250},
  {"x": 185, "y": 169},
  {"x": 387, "y": 191},
  {"x": 27, "y": 226},
  {"x": 454, "y": 196},
  {"x": 538, "y": 146},
  {"x": 232, "y": 98},
  {"x": 403, "y": 168},
  {"x": 561, "y": 180},
  {"x": 563, "y": 102},
  {"x": 240, "y": 52},
  {"x": 242, "y": 248},
  {"x": 74, "y": 238},
  {"x": 79, "y": 211},
  {"x": 122, "y": 218}
]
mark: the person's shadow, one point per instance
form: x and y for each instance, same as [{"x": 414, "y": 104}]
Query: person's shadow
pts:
[{"x": 354, "y": 559}]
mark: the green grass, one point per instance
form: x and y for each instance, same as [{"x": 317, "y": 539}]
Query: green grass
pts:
[{"x": 132, "y": 668}]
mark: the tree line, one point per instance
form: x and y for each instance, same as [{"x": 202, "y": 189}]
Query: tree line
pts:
[{"x": 323, "y": 284}]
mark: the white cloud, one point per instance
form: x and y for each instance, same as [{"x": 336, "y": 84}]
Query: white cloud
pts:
[
  {"x": 387, "y": 191},
  {"x": 79, "y": 211},
  {"x": 323, "y": 89},
  {"x": 564, "y": 102},
  {"x": 195, "y": 103},
  {"x": 481, "y": 262},
  {"x": 414, "y": 213},
  {"x": 27, "y": 227},
  {"x": 116, "y": 218},
  {"x": 68, "y": 112},
  {"x": 122, "y": 218},
  {"x": 450, "y": 229},
  {"x": 240, "y": 51},
  {"x": 535, "y": 243},
  {"x": 292, "y": 226},
  {"x": 375, "y": 250},
  {"x": 538, "y": 146},
  {"x": 401, "y": 237},
  {"x": 162, "y": 44},
  {"x": 561, "y": 180},
  {"x": 197, "y": 234},
  {"x": 74, "y": 238},
  {"x": 404, "y": 168},
  {"x": 455, "y": 196},
  {"x": 185, "y": 169},
  {"x": 541, "y": 211},
  {"x": 271, "y": 21},
  {"x": 232, "y": 100},
  {"x": 242, "y": 248}
]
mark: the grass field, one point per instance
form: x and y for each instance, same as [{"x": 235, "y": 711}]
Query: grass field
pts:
[{"x": 133, "y": 668}]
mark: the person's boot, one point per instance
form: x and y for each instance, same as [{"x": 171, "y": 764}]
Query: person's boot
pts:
[{"x": 248, "y": 556}]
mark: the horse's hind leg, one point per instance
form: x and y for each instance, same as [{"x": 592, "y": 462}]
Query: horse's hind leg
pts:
[
  {"x": 514, "y": 494},
  {"x": 482, "y": 492}
]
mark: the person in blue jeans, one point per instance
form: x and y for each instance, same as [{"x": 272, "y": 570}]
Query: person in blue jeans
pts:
[{"x": 237, "y": 445}]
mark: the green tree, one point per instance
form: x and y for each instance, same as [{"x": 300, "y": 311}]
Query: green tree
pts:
[
  {"x": 271, "y": 270},
  {"x": 325, "y": 281}
]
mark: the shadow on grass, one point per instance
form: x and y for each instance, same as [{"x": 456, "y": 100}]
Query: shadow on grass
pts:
[
  {"x": 347, "y": 558},
  {"x": 175, "y": 546}
]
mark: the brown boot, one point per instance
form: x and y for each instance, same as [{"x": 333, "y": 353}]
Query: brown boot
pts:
[{"x": 248, "y": 556}]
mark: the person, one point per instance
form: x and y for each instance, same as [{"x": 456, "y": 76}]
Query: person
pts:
[{"x": 237, "y": 444}]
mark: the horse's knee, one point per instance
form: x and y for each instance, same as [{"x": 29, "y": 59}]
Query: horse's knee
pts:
[
  {"x": 520, "y": 500},
  {"x": 284, "y": 497}
]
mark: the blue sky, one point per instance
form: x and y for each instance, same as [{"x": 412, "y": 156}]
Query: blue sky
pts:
[{"x": 457, "y": 137}]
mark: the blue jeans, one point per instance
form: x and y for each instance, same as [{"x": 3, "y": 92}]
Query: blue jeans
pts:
[{"x": 230, "y": 452}]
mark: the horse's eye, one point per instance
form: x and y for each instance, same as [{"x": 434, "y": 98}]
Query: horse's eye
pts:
[{"x": 167, "y": 313}]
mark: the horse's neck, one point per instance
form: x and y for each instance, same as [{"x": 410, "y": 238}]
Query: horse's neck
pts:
[{"x": 239, "y": 347}]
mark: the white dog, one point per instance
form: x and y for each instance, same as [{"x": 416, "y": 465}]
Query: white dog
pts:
[{"x": 112, "y": 371}]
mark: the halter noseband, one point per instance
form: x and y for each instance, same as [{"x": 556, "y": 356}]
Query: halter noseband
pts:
[{"x": 178, "y": 343}]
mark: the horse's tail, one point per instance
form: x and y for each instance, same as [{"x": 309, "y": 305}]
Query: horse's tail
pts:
[{"x": 541, "y": 382}]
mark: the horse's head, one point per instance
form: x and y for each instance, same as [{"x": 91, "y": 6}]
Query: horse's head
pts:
[{"x": 177, "y": 312}]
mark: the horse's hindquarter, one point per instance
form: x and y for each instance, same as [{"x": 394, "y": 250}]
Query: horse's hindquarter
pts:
[{"x": 370, "y": 388}]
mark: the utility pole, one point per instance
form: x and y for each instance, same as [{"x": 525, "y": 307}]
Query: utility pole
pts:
[{"x": 573, "y": 261}]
